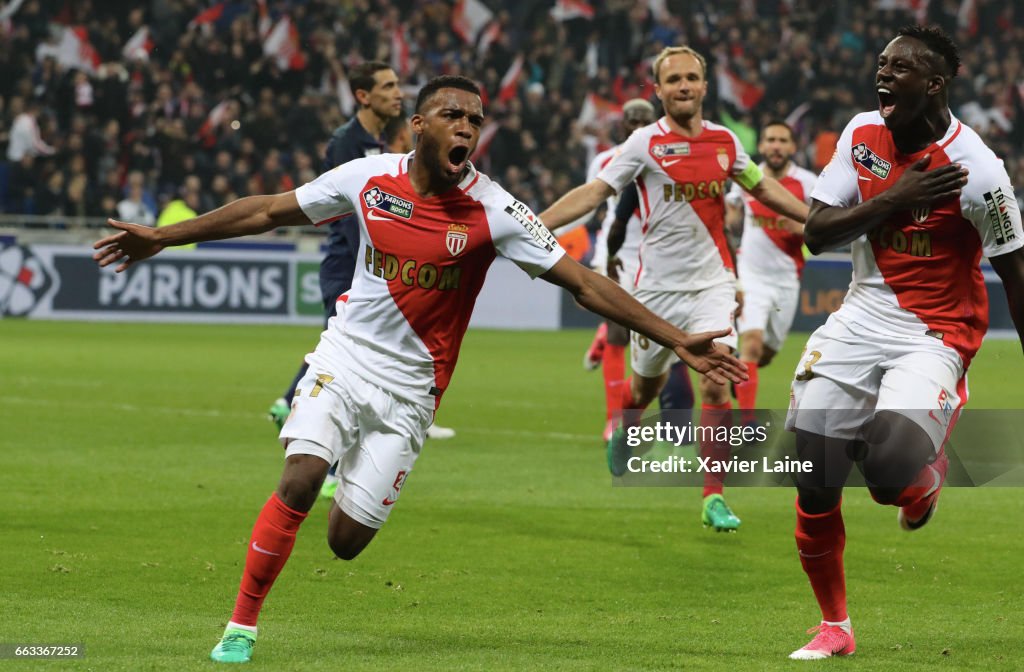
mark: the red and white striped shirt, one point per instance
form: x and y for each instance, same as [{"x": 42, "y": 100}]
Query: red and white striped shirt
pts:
[{"x": 422, "y": 264}]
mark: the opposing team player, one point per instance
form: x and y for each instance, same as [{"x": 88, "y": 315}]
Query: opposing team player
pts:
[
  {"x": 685, "y": 269},
  {"x": 769, "y": 260},
  {"x": 921, "y": 199},
  {"x": 430, "y": 225}
]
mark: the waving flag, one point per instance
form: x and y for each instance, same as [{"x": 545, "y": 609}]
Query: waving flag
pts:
[
  {"x": 732, "y": 89},
  {"x": 138, "y": 46},
  {"x": 469, "y": 17}
]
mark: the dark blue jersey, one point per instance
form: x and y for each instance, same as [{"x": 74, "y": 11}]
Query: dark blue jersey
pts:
[{"x": 349, "y": 141}]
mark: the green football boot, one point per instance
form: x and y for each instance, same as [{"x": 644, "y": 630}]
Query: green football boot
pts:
[
  {"x": 717, "y": 514},
  {"x": 618, "y": 452},
  {"x": 329, "y": 487},
  {"x": 234, "y": 647},
  {"x": 278, "y": 413}
]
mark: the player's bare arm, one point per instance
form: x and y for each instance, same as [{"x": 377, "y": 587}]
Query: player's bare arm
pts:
[
  {"x": 602, "y": 296},
  {"x": 616, "y": 237},
  {"x": 244, "y": 217},
  {"x": 734, "y": 219},
  {"x": 578, "y": 202},
  {"x": 830, "y": 227},
  {"x": 771, "y": 193},
  {"x": 1010, "y": 268},
  {"x": 790, "y": 225}
]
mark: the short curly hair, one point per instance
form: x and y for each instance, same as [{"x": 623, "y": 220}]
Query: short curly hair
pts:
[{"x": 938, "y": 42}]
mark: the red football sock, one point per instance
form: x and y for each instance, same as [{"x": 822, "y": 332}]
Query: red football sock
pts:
[
  {"x": 746, "y": 394},
  {"x": 820, "y": 540},
  {"x": 271, "y": 543},
  {"x": 631, "y": 410},
  {"x": 613, "y": 366},
  {"x": 715, "y": 415}
]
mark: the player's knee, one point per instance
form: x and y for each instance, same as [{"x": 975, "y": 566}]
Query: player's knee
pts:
[
  {"x": 712, "y": 392},
  {"x": 346, "y": 537},
  {"x": 886, "y": 495},
  {"x": 815, "y": 500},
  {"x": 896, "y": 450},
  {"x": 617, "y": 334},
  {"x": 767, "y": 355},
  {"x": 345, "y": 547},
  {"x": 301, "y": 480}
]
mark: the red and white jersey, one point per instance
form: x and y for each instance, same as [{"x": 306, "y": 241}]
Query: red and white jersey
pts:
[
  {"x": 422, "y": 264},
  {"x": 631, "y": 245},
  {"x": 681, "y": 181},
  {"x": 766, "y": 248},
  {"x": 918, "y": 271}
]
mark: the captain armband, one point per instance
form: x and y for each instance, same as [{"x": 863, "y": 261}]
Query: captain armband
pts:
[{"x": 750, "y": 177}]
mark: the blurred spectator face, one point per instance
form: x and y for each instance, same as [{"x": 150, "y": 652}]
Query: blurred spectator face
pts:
[
  {"x": 385, "y": 98},
  {"x": 192, "y": 199},
  {"x": 223, "y": 161},
  {"x": 681, "y": 87},
  {"x": 302, "y": 160},
  {"x": 220, "y": 185},
  {"x": 77, "y": 165},
  {"x": 135, "y": 180},
  {"x": 776, "y": 146},
  {"x": 272, "y": 162}
]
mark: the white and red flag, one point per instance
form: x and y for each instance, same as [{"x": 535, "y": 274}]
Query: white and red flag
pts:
[
  {"x": 138, "y": 46},
  {"x": 469, "y": 17}
]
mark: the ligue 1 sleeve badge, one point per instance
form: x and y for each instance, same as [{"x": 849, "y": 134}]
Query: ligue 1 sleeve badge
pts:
[
  {"x": 24, "y": 281},
  {"x": 457, "y": 238}
]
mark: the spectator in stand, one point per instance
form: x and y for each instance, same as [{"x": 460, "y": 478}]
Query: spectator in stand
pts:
[{"x": 133, "y": 207}]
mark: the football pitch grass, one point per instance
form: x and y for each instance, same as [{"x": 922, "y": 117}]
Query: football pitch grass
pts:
[{"x": 135, "y": 458}]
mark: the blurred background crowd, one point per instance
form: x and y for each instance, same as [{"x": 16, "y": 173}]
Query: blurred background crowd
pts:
[{"x": 133, "y": 109}]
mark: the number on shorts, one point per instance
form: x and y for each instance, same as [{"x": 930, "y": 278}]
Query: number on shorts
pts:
[
  {"x": 641, "y": 341},
  {"x": 321, "y": 380},
  {"x": 812, "y": 359}
]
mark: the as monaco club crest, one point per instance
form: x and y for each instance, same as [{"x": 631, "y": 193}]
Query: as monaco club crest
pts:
[
  {"x": 457, "y": 238},
  {"x": 723, "y": 158}
]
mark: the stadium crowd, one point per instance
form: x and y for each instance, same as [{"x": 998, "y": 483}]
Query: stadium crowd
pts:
[{"x": 108, "y": 107}]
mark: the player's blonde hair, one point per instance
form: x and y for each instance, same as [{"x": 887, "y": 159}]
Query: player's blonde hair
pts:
[{"x": 673, "y": 51}]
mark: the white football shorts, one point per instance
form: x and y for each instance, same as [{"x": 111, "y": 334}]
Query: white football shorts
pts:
[
  {"x": 848, "y": 372},
  {"x": 769, "y": 305},
  {"x": 373, "y": 435},
  {"x": 703, "y": 310}
]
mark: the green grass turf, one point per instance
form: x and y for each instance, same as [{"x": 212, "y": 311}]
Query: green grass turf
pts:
[{"x": 134, "y": 458}]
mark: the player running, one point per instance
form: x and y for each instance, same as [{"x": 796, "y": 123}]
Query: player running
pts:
[
  {"x": 921, "y": 199},
  {"x": 430, "y": 225},
  {"x": 685, "y": 268},
  {"x": 770, "y": 259},
  {"x": 376, "y": 89}
]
